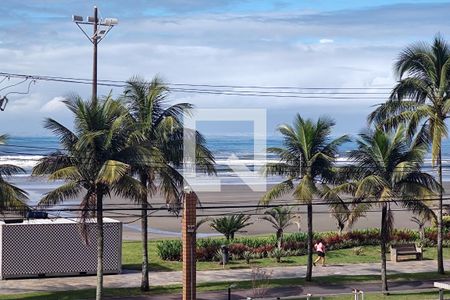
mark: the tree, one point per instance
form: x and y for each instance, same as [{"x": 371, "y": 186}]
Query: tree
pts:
[
  {"x": 421, "y": 220},
  {"x": 280, "y": 217},
  {"x": 341, "y": 214},
  {"x": 387, "y": 170},
  {"x": 421, "y": 99},
  {"x": 95, "y": 162},
  {"x": 159, "y": 128},
  {"x": 12, "y": 198},
  {"x": 306, "y": 159},
  {"x": 229, "y": 225}
]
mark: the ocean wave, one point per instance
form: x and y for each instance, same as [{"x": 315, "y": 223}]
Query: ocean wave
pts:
[{"x": 23, "y": 161}]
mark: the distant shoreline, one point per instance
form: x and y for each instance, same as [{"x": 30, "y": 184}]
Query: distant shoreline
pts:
[{"x": 232, "y": 194}]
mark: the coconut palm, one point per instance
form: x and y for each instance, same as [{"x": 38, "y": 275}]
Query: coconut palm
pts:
[
  {"x": 280, "y": 217},
  {"x": 95, "y": 162},
  {"x": 306, "y": 159},
  {"x": 421, "y": 99},
  {"x": 12, "y": 198},
  {"x": 159, "y": 128},
  {"x": 387, "y": 170},
  {"x": 229, "y": 225}
]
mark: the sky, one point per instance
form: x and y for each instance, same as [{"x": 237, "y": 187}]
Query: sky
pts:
[{"x": 308, "y": 43}]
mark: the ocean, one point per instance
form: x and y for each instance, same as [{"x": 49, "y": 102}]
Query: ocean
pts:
[
  {"x": 25, "y": 152},
  {"x": 228, "y": 150}
]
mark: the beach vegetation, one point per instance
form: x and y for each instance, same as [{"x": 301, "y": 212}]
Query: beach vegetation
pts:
[
  {"x": 280, "y": 218},
  {"x": 158, "y": 127},
  {"x": 230, "y": 225},
  {"x": 307, "y": 157},
  {"x": 12, "y": 198},
  {"x": 94, "y": 162},
  {"x": 421, "y": 100},
  {"x": 386, "y": 169}
]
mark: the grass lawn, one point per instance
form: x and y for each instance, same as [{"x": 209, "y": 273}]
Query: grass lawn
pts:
[
  {"x": 131, "y": 254},
  {"x": 243, "y": 285}
]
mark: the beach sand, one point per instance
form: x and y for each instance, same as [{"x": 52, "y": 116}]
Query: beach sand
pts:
[{"x": 162, "y": 225}]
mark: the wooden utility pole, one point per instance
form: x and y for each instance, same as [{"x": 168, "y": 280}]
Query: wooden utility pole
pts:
[{"x": 189, "y": 245}]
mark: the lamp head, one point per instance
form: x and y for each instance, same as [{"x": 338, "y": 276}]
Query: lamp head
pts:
[
  {"x": 77, "y": 18},
  {"x": 3, "y": 102},
  {"x": 110, "y": 21}
]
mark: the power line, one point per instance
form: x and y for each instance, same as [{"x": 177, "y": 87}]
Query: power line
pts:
[
  {"x": 236, "y": 90},
  {"x": 240, "y": 206},
  {"x": 47, "y": 77}
]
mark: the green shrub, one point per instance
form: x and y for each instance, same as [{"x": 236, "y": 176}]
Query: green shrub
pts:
[
  {"x": 294, "y": 243},
  {"x": 278, "y": 254},
  {"x": 247, "y": 255},
  {"x": 445, "y": 222},
  {"x": 358, "y": 251},
  {"x": 169, "y": 249}
]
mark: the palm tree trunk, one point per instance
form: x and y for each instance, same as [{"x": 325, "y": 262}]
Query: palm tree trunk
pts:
[
  {"x": 440, "y": 256},
  {"x": 100, "y": 240},
  {"x": 310, "y": 244},
  {"x": 279, "y": 237},
  {"x": 384, "y": 230},
  {"x": 145, "y": 285}
]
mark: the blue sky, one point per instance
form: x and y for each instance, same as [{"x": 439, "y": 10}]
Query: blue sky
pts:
[{"x": 284, "y": 43}]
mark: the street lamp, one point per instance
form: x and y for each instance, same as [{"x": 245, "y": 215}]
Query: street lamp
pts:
[{"x": 101, "y": 29}]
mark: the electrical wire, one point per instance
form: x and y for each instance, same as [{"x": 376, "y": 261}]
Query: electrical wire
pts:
[{"x": 264, "y": 91}]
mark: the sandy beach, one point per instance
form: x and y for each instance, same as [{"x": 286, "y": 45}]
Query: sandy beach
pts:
[{"x": 162, "y": 225}]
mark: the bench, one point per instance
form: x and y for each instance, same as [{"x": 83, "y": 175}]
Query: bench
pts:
[
  {"x": 406, "y": 250},
  {"x": 442, "y": 286}
]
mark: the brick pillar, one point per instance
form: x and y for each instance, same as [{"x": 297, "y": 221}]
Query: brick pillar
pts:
[{"x": 189, "y": 245}]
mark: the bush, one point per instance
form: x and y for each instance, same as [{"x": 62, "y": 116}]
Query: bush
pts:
[
  {"x": 294, "y": 243},
  {"x": 278, "y": 254},
  {"x": 358, "y": 251},
  {"x": 263, "y": 251},
  {"x": 247, "y": 255},
  {"x": 237, "y": 250},
  {"x": 169, "y": 249},
  {"x": 445, "y": 222}
]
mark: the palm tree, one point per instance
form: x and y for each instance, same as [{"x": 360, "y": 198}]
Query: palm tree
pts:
[
  {"x": 95, "y": 161},
  {"x": 306, "y": 159},
  {"x": 387, "y": 170},
  {"x": 159, "y": 128},
  {"x": 421, "y": 220},
  {"x": 280, "y": 217},
  {"x": 229, "y": 225},
  {"x": 341, "y": 214},
  {"x": 12, "y": 198},
  {"x": 421, "y": 99}
]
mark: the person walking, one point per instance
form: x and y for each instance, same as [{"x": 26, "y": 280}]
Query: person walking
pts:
[{"x": 320, "y": 249}]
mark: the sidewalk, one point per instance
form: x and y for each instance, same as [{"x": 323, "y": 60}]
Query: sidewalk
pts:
[
  {"x": 132, "y": 279},
  {"x": 298, "y": 291}
]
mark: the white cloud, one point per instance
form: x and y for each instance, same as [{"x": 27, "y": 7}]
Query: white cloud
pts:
[
  {"x": 53, "y": 105},
  {"x": 326, "y": 41},
  {"x": 273, "y": 49}
]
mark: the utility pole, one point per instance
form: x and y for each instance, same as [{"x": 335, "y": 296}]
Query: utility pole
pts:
[
  {"x": 94, "y": 63},
  {"x": 101, "y": 29},
  {"x": 189, "y": 234}
]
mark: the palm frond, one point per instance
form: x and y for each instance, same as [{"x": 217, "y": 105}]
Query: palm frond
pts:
[
  {"x": 69, "y": 190},
  {"x": 277, "y": 191}
]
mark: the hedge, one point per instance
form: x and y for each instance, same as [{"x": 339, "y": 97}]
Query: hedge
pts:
[{"x": 208, "y": 249}]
